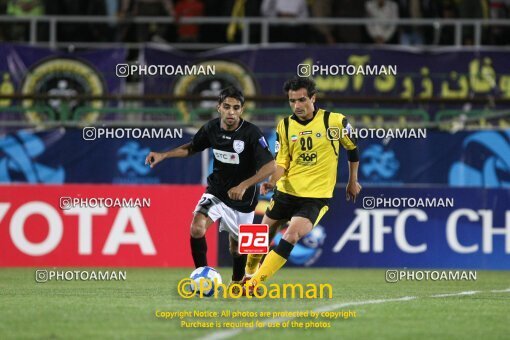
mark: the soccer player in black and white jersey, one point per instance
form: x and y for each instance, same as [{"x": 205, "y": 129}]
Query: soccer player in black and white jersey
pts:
[{"x": 241, "y": 160}]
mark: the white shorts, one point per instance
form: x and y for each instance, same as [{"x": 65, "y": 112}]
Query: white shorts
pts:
[{"x": 230, "y": 219}]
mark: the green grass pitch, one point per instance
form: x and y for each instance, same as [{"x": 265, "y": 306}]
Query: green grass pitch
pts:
[{"x": 126, "y": 309}]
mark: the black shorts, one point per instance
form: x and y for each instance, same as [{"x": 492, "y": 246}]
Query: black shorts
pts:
[{"x": 284, "y": 206}]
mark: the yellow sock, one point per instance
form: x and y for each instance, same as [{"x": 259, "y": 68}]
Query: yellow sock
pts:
[
  {"x": 252, "y": 263},
  {"x": 271, "y": 265}
]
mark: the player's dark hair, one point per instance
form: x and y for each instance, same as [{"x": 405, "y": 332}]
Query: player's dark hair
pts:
[
  {"x": 297, "y": 83},
  {"x": 231, "y": 92}
]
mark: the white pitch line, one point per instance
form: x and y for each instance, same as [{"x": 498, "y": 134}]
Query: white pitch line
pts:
[
  {"x": 472, "y": 292},
  {"x": 501, "y": 291},
  {"x": 233, "y": 332}
]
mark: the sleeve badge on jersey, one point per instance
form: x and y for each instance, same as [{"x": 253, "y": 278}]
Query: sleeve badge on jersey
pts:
[
  {"x": 276, "y": 147},
  {"x": 263, "y": 143}
]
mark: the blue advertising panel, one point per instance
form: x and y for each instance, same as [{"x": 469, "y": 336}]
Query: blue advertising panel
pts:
[
  {"x": 462, "y": 159},
  {"x": 65, "y": 156},
  {"x": 416, "y": 228}
]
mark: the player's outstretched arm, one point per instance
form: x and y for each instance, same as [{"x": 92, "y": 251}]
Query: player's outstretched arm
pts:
[
  {"x": 237, "y": 192},
  {"x": 353, "y": 187},
  {"x": 350, "y": 144},
  {"x": 269, "y": 185},
  {"x": 154, "y": 158}
]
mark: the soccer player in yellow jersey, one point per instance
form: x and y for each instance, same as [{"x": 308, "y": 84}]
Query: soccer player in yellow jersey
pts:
[{"x": 307, "y": 151}]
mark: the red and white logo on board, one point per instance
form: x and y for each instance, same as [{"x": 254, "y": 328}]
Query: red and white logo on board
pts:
[{"x": 253, "y": 239}]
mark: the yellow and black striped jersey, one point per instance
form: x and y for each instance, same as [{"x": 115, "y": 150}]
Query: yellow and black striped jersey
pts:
[{"x": 309, "y": 155}]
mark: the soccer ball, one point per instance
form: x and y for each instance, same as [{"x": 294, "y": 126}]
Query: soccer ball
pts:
[{"x": 205, "y": 273}]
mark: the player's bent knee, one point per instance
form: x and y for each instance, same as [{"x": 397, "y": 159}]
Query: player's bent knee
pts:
[
  {"x": 197, "y": 231},
  {"x": 291, "y": 236},
  {"x": 199, "y": 225}
]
